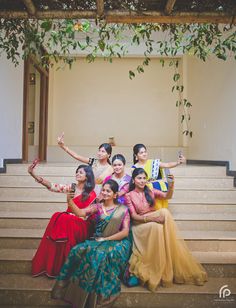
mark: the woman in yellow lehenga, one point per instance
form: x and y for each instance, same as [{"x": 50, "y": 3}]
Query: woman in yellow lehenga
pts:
[
  {"x": 155, "y": 170},
  {"x": 159, "y": 256}
]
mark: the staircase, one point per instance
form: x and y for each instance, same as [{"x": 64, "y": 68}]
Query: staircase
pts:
[{"x": 204, "y": 207}]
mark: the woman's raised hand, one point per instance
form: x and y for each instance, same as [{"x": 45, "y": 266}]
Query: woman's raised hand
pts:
[
  {"x": 33, "y": 165},
  {"x": 60, "y": 140},
  {"x": 70, "y": 196},
  {"x": 181, "y": 159}
]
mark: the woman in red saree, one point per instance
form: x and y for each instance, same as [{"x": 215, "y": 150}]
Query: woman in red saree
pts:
[{"x": 65, "y": 229}]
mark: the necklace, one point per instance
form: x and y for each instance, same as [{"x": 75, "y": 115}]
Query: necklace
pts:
[
  {"x": 105, "y": 211},
  {"x": 118, "y": 180}
]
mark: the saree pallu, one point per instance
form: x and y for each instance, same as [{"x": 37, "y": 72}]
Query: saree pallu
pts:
[
  {"x": 159, "y": 257},
  {"x": 63, "y": 232},
  {"x": 91, "y": 272}
]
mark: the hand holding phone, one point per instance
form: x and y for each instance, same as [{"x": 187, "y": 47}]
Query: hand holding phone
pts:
[
  {"x": 60, "y": 139},
  {"x": 181, "y": 158},
  {"x": 169, "y": 176}
]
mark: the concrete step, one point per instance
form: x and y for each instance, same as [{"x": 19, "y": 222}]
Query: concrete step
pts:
[
  {"x": 193, "y": 221},
  {"x": 200, "y": 208},
  {"x": 217, "y": 264},
  {"x": 18, "y": 289},
  {"x": 211, "y": 196},
  {"x": 227, "y": 196},
  {"x": 27, "y": 181},
  {"x": 174, "y": 206},
  {"x": 196, "y": 240},
  {"x": 180, "y": 181},
  {"x": 69, "y": 170}
]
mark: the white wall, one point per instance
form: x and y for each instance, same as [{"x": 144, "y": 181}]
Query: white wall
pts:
[
  {"x": 11, "y": 108},
  {"x": 92, "y": 102},
  {"x": 212, "y": 91}
]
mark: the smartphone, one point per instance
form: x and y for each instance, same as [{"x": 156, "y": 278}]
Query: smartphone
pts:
[
  {"x": 73, "y": 187},
  {"x": 167, "y": 173},
  {"x": 180, "y": 154}
]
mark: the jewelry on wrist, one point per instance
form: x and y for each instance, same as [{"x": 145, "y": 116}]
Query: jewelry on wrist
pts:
[{"x": 145, "y": 218}]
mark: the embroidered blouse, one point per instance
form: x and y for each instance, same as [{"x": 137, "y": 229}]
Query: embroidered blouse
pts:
[{"x": 137, "y": 203}]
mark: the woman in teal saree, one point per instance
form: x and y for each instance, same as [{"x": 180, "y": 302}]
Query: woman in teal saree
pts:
[{"x": 91, "y": 273}]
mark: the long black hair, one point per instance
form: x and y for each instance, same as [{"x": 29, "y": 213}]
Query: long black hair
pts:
[
  {"x": 119, "y": 157},
  {"x": 137, "y": 147},
  {"x": 108, "y": 149},
  {"x": 89, "y": 184},
  {"x": 113, "y": 186},
  {"x": 147, "y": 191}
]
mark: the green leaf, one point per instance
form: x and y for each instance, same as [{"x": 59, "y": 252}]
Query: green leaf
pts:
[
  {"x": 101, "y": 45},
  {"x": 46, "y": 25},
  {"x": 131, "y": 75},
  {"x": 176, "y": 77}
]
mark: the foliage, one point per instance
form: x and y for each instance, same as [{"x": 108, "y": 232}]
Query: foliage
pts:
[{"x": 57, "y": 39}]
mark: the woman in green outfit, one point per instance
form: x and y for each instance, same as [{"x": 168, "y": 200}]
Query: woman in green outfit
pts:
[{"x": 90, "y": 275}]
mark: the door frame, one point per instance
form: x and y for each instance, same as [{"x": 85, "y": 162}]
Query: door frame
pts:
[{"x": 43, "y": 114}]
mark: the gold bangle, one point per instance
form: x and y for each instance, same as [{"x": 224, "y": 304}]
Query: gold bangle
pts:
[{"x": 145, "y": 218}]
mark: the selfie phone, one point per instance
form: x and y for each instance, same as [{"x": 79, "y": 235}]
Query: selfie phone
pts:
[
  {"x": 167, "y": 173},
  {"x": 180, "y": 154},
  {"x": 73, "y": 187}
]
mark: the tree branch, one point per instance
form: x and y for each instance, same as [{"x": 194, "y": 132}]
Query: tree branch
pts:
[
  {"x": 169, "y": 6},
  {"x": 100, "y": 7},
  {"x": 128, "y": 17},
  {"x": 31, "y": 9}
]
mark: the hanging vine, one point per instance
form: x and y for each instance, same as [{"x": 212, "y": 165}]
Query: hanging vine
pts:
[{"x": 54, "y": 40}]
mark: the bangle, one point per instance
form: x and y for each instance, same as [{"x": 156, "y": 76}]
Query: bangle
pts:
[
  {"x": 39, "y": 180},
  {"x": 145, "y": 218}
]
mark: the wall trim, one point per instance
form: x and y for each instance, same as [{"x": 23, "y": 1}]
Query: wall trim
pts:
[
  {"x": 214, "y": 163},
  {"x": 9, "y": 161}
]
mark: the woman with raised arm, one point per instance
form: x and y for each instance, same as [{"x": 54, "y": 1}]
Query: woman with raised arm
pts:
[
  {"x": 159, "y": 256},
  {"x": 155, "y": 170},
  {"x": 65, "y": 229},
  {"x": 101, "y": 165},
  {"x": 91, "y": 273},
  {"x": 119, "y": 175}
]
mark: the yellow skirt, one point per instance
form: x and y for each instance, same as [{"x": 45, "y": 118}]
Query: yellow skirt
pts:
[{"x": 160, "y": 257}]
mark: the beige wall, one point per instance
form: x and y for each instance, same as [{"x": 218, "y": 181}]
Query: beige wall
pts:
[
  {"x": 212, "y": 90},
  {"x": 92, "y": 102},
  {"x": 11, "y": 108}
]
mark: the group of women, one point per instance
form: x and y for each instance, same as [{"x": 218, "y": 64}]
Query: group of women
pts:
[{"x": 89, "y": 247}]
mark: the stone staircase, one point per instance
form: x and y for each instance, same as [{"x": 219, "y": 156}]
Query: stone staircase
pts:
[{"x": 204, "y": 207}]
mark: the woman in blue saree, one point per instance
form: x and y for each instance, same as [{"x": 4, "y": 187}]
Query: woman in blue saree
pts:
[{"x": 91, "y": 273}]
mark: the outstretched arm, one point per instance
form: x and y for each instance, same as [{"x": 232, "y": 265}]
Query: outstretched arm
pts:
[
  {"x": 181, "y": 160},
  {"x": 60, "y": 141},
  {"x": 166, "y": 195},
  {"x": 37, "y": 178}
]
